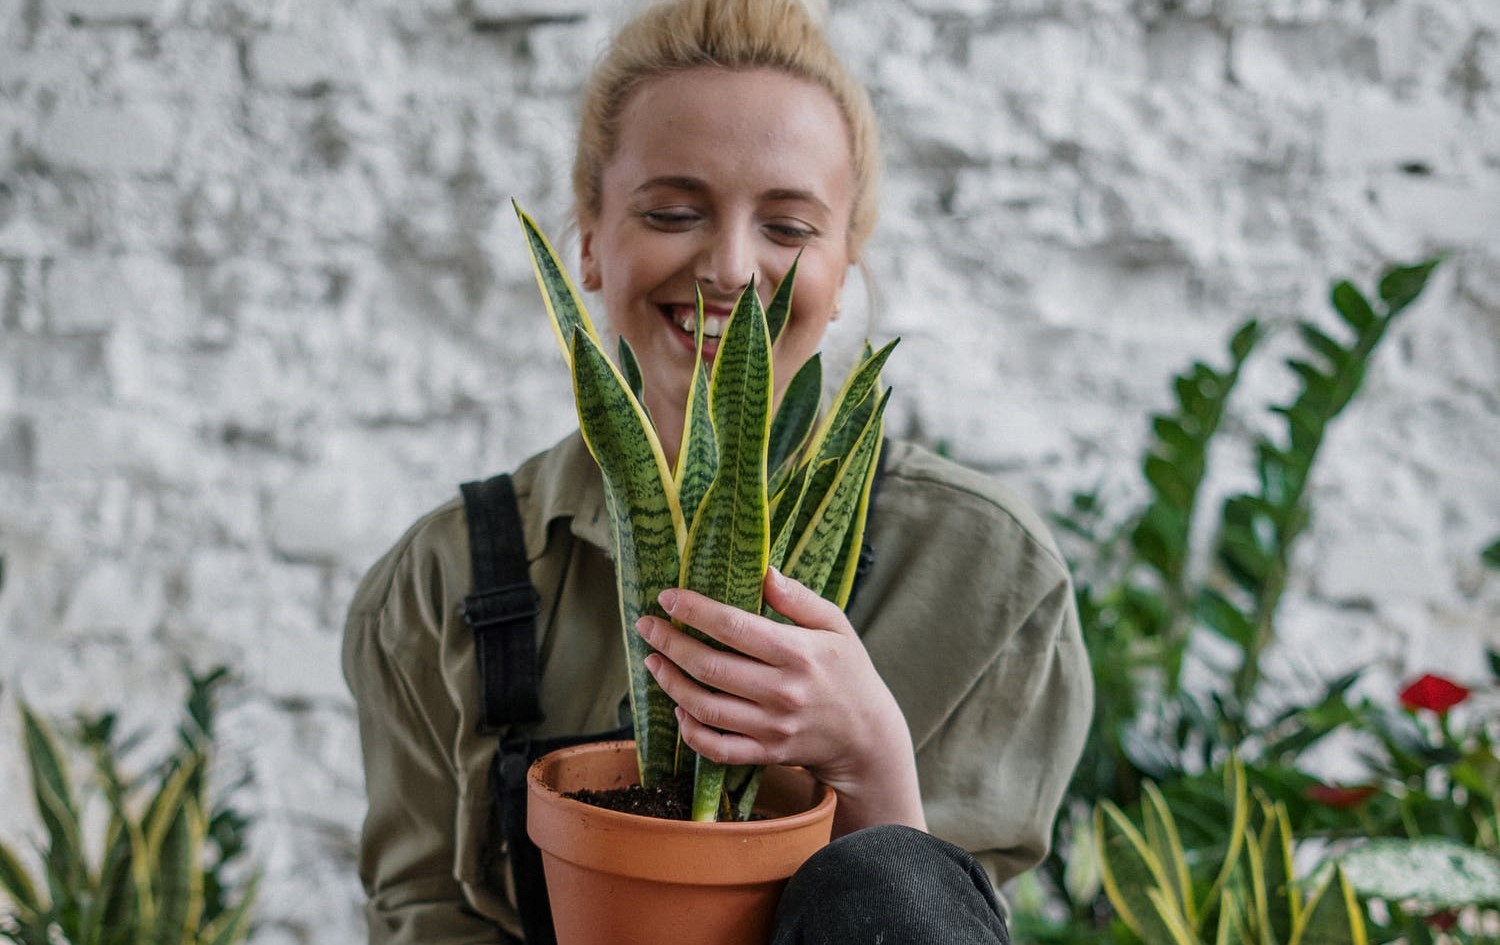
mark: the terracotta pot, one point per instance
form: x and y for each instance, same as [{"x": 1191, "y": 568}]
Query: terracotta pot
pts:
[{"x": 624, "y": 879}]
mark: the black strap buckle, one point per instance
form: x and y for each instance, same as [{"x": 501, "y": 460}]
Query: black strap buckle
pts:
[{"x": 501, "y": 606}]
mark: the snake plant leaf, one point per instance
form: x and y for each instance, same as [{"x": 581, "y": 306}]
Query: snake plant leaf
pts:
[
  {"x": 233, "y": 925},
  {"x": 1161, "y": 829},
  {"x": 631, "y": 369},
  {"x": 1237, "y": 793},
  {"x": 795, "y": 419},
  {"x": 647, "y": 528},
  {"x": 1166, "y": 906},
  {"x": 565, "y": 309},
  {"x": 66, "y": 866},
  {"x": 836, "y": 435},
  {"x": 109, "y": 909},
  {"x": 179, "y": 879},
  {"x": 1130, "y": 871},
  {"x": 781, "y": 302},
  {"x": 1229, "y": 918},
  {"x": 1259, "y": 905},
  {"x": 729, "y": 545},
  {"x": 865, "y": 461},
  {"x": 822, "y": 548},
  {"x": 698, "y": 453},
  {"x": 17, "y": 885},
  {"x": 1333, "y": 915},
  {"x": 1280, "y": 871}
]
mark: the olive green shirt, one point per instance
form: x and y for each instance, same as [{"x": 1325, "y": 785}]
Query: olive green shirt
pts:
[{"x": 967, "y": 612}]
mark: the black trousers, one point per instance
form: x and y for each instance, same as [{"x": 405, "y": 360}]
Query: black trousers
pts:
[{"x": 890, "y": 885}]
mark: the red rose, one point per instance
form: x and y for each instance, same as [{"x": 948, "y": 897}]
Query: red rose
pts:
[
  {"x": 1331, "y": 795},
  {"x": 1433, "y": 692}
]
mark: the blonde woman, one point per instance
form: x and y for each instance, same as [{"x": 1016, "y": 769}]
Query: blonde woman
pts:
[{"x": 719, "y": 139}]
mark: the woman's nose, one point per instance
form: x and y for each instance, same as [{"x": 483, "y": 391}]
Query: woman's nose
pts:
[{"x": 725, "y": 264}]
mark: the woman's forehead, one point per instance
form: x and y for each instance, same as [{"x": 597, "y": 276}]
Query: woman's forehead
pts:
[{"x": 760, "y": 128}]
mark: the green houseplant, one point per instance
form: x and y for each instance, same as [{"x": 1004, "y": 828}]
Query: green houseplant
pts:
[
  {"x": 165, "y": 872},
  {"x": 751, "y": 488}
]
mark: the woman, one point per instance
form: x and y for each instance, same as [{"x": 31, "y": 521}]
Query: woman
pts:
[{"x": 720, "y": 139}]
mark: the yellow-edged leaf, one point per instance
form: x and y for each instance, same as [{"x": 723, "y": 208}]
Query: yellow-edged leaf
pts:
[{"x": 565, "y": 308}]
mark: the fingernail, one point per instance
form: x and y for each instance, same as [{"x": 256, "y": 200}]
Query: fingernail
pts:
[
  {"x": 643, "y": 627},
  {"x": 777, "y": 577},
  {"x": 653, "y": 663},
  {"x": 668, "y": 599}
]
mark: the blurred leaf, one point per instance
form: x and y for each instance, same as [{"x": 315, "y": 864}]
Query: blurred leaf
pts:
[
  {"x": 1399, "y": 287},
  {"x": 1491, "y": 554},
  {"x": 1131, "y": 872},
  {"x": 1352, "y": 305},
  {"x": 1333, "y": 915}
]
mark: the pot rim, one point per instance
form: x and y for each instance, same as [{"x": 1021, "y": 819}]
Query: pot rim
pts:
[{"x": 826, "y": 798}]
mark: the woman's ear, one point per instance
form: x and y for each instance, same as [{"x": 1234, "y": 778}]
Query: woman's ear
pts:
[{"x": 588, "y": 262}]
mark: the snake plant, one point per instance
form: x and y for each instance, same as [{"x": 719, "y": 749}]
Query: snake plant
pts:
[
  {"x": 1246, "y": 892},
  {"x": 751, "y": 488}
]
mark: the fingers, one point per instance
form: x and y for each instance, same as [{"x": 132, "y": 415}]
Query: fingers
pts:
[
  {"x": 741, "y": 631},
  {"x": 797, "y": 603}
]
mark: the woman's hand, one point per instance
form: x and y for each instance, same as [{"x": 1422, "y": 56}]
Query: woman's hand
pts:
[{"x": 804, "y": 694}]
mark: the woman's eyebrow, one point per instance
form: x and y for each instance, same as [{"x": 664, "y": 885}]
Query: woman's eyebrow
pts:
[
  {"x": 792, "y": 194},
  {"x": 690, "y": 184}
]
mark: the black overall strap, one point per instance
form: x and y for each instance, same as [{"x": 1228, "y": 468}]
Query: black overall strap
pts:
[
  {"x": 502, "y": 613},
  {"x": 502, "y": 609}
]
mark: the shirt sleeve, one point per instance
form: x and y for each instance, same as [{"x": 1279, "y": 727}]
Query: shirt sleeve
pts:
[
  {"x": 995, "y": 771},
  {"x": 409, "y": 859}
]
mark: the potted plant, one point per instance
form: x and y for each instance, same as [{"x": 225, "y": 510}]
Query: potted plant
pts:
[{"x": 751, "y": 488}]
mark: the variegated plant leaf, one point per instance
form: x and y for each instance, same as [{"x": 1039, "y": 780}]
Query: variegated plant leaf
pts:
[
  {"x": 647, "y": 529},
  {"x": 565, "y": 308},
  {"x": 65, "y": 862},
  {"x": 631, "y": 369},
  {"x": 781, "y": 303},
  {"x": 794, "y": 422},
  {"x": 813, "y": 559},
  {"x": 179, "y": 876},
  {"x": 698, "y": 453},
  {"x": 728, "y": 546}
]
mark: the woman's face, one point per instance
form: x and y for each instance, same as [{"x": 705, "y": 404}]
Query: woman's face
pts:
[{"x": 717, "y": 176}]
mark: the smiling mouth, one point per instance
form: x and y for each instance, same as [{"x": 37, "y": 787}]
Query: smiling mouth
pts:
[{"x": 685, "y": 317}]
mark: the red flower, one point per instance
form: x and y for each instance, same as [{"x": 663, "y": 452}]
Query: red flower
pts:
[
  {"x": 1433, "y": 692},
  {"x": 1332, "y": 795},
  {"x": 1442, "y": 921}
]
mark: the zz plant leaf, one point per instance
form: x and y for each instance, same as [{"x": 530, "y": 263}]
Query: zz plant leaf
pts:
[{"x": 750, "y": 488}]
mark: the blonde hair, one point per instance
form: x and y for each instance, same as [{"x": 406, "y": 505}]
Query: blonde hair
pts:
[{"x": 676, "y": 35}]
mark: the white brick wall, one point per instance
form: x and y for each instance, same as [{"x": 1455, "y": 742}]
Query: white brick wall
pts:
[{"x": 263, "y": 302}]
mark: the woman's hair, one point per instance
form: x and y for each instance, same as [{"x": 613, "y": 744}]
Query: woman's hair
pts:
[{"x": 674, "y": 35}]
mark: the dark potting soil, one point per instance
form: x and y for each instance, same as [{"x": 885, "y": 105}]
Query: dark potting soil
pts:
[{"x": 670, "y": 800}]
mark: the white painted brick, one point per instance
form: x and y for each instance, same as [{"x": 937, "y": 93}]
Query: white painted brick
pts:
[
  {"x": 523, "y": 11},
  {"x": 1374, "y": 131},
  {"x": 130, "y": 139},
  {"x": 1441, "y": 213},
  {"x": 112, "y": 11},
  {"x": 1043, "y": 58},
  {"x": 113, "y": 597},
  {"x": 298, "y": 62},
  {"x": 1190, "y": 52}
]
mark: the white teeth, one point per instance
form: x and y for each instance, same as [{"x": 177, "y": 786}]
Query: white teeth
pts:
[{"x": 713, "y": 325}]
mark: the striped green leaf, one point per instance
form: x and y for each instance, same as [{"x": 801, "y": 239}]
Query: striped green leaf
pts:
[
  {"x": 795, "y": 419},
  {"x": 698, "y": 453},
  {"x": 728, "y": 547},
  {"x": 17, "y": 884},
  {"x": 179, "y": 879},
  {"x": 631, "y": 369},
  {"x": 822, "y": 548},
  {"x": 564, "y": 307},
  {"x": 781, "y": 303},
  {"x": 65, "y": 863},
  {"x": 1333, "y": 915},
  {"x": 1130, "y": 872},
  {"x": 1276, "y": 845},
  {"x": 1161, "y": 828},
  {"x": 233, "y": 925},
  {"x": 836, "y": 435},
  {"x": 646, "y": 526}
]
